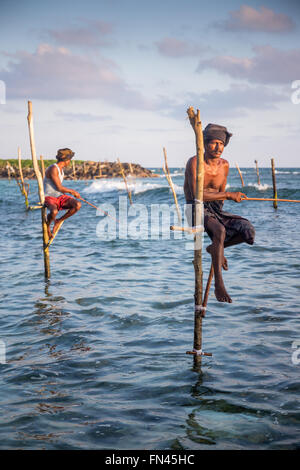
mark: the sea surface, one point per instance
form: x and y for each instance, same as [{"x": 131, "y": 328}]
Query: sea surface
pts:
[{"x": 95, "y": 358}]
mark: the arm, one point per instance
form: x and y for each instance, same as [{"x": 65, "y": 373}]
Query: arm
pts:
[
  {"x": 212, "y": 195},
  {"x": 53, "y": 173}
]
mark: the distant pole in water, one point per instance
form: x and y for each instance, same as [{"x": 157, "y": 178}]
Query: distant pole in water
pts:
[
  {"x": 43, "y": 166},
  {"x": 130, "y": 169},
  {"x": 169, "y": 179},
  {"x": 275, "y": 205},
  {"x": 23, "y": 190},
  {"x": 240, "y": 173},
  {"x": 74, "y": 170},
  {"x": 41, "y": 191},
  {"x": 197, "y": 126},
  {"x": 125, "y": 181},
  {"x": 100, "y": 170},
  {"x": 257, "y": 172}
]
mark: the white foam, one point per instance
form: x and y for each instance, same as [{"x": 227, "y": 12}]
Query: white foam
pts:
[
  {"x": 260, "y": 187},
  {"x": 135, "y": 187}
]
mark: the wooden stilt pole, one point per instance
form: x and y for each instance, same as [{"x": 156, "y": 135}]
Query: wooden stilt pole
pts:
[
  {"x": 22, "y": 186},
  {"x": 275, "y": 205},
  {"x": 130, "y": 169},
  {"x": 43, "y": 166},
  {"x": 100, "y": 170},
  {"x": 41, "y": 191},
  {"x": 240, "y": 173},
  {"x": 257, "y": 172},
  {"x": 169, "y": 179},
  {"x": 125, "y": 181},
  {"x": 197, "y": 126}
]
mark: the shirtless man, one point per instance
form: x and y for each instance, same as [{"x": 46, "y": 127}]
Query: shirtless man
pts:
[
  {"x": 55, "y": 193},
  {"x": 224, "y": 229}
]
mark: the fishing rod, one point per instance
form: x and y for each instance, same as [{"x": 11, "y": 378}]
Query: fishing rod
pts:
[
  {"x": 98, "y": 208},
  {"x": 267, "y": 199}
]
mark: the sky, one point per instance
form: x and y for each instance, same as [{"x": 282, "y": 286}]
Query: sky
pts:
[{"x": 113, "y": 78}]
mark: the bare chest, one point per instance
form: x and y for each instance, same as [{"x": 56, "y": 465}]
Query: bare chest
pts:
[{"x": 214, "y": 176}]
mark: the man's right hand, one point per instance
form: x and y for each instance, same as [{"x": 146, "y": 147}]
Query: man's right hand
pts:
[
  {"x": 237, "y": 197},
  {"x": 74, "y": 193}
]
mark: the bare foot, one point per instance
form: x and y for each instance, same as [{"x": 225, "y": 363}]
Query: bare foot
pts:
[
  {"x": 222, "y": 295},
  {"x": 50, "y": 235},
  {"x": 56, "y": 226},
  {"x": 225, "y": 262}
]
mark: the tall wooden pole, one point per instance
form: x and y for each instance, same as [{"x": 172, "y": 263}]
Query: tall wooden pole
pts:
[
  {"x": 197, "y": 126},
  {"x": 41, "y": 191},
  {"x": 240, "y": 173},
  {"x": 257, "y": 172},
  {"x": 275, "y": 205}
]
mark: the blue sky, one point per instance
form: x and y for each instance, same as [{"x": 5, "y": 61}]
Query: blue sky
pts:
[{"x": 113, "y": 79}]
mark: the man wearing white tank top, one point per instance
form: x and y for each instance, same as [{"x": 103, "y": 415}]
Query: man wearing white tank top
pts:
[{"x": 55, "y": 193}]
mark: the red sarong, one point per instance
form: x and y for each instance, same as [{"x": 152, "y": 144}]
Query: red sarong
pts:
[{"x": 59, "y": 202}]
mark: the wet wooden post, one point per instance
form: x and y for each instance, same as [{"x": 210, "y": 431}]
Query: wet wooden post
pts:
[
  {"x": 22, "y": 185},
  {"x": 130, "y": 169},
  {"x": 240, "y": 173},
  {"x": 197, "y": 126},
  {"x": 275, "y": 205},
  {"x": 257, "y": 172},
  {"x": 41, "y": 192}
]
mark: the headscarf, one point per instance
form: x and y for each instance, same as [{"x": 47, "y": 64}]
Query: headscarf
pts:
[{"x": 214, "y": 131}]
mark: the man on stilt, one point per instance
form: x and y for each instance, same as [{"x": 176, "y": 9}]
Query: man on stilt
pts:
[
  {"x": 224, "y": 229},
  {"x": 55, "y": 193}
]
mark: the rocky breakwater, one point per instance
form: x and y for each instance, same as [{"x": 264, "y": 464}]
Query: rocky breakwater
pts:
[{"x": 79, "y": 170}]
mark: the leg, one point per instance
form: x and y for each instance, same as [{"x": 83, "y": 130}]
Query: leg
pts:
[
  {"x": 73, "y": 206},
  {"x": 51, "y": 217},
  {"x": 216, "y": 249}
]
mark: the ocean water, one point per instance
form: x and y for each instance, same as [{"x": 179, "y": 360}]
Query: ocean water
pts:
[{"x": 95, "y": 358}]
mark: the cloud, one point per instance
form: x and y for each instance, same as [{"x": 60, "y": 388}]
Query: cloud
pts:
[
  {"x": 172, "y": 47},
  {"x": 82, "y": 117},
  {"x": 236, "y": 101},
  {"x": 263, "y": 19},
  {"x": 57, "y": 74},
  {"x": 269, "y": 65},
  {"x": 93, "y": 34}
]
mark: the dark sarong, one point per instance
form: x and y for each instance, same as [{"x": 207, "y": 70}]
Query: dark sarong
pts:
[{"x": 234, "y": 224}]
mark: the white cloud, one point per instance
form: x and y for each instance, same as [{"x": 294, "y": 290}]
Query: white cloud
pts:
[
  {"x": 55, "y": 73},
  {"x": 92, "y": 34},
  {"x": 264, "y": 19},
  {"x": 172, "y": 47},
  {"x": 268, "y": 65}
]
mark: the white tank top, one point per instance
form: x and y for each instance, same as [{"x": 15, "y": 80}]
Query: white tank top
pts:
[{"x": 49, "y": 186}]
